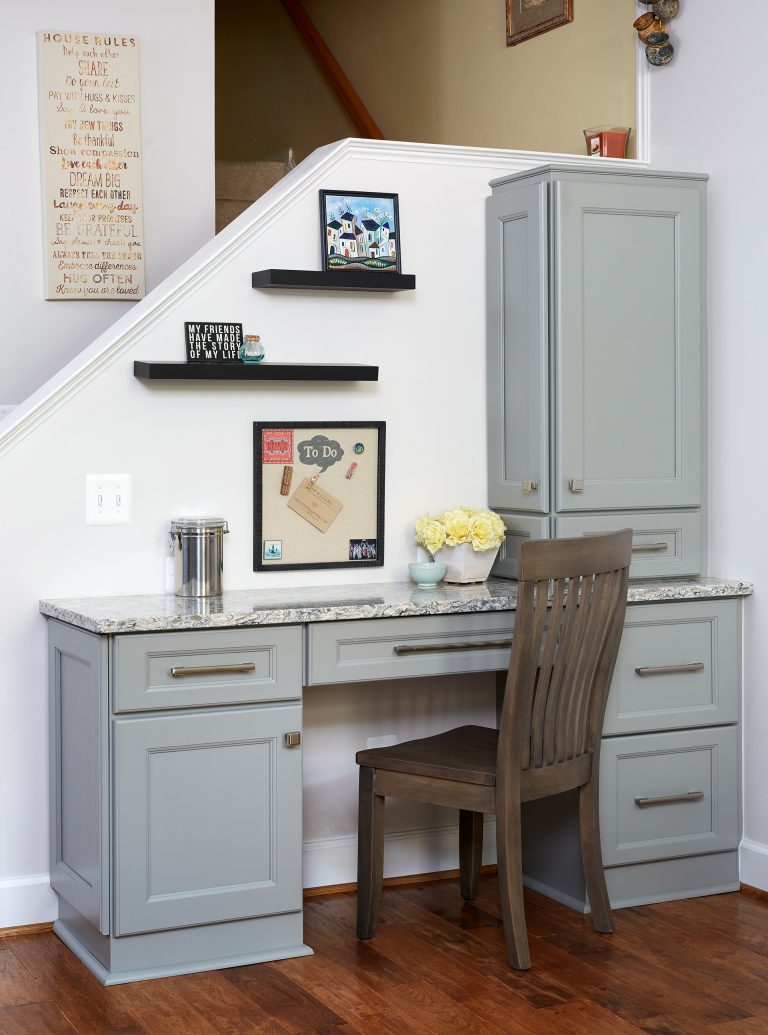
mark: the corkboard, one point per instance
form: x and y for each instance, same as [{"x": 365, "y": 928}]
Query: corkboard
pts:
[{"x": 318, "y": 495}]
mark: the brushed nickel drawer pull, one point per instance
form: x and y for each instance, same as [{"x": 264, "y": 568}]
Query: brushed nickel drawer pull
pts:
[
  {"x": 669, "y": 799},
  {"x": 293, "y": 739},
  {"x": 649, "y": 547},
  {"x": 576, "y": 485},
  {"x": 669, "y": 670},
  {"x": 435, "y": 648},
  {"x": 529, "y": 486},
  {"x": 211, "y": 670}
]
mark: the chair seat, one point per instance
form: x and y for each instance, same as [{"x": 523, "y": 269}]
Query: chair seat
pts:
[{"x": 466, "y": 754}]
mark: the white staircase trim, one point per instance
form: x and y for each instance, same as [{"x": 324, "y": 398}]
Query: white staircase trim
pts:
[{"x": 309, "y": 175}]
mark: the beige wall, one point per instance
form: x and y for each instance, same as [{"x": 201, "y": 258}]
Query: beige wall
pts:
[{"x": 436, "y": 71}]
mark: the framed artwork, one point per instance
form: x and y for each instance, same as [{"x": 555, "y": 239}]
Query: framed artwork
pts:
[
  {"x": 360, "y": 231},
  {"x": 318, "y": 495},
  {"x": 527, "y": 18}
]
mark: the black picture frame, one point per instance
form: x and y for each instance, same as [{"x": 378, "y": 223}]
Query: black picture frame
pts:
[
  {"x": 353, "y": 245},
  {"x": 282, "y": 539}
]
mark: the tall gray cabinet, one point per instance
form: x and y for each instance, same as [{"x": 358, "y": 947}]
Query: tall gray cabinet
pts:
[{"x": 596, "y": 289}]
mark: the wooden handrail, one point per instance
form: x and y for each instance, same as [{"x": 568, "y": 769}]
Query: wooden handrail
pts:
[{"x": 332, "y": 71}]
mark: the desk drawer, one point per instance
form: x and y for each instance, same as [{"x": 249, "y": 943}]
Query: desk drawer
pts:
[
  {"x": 678, "y": 666},
  {"x": 206, "y": 667},
  {"x": 397, "y": 648},
  {"x": 664, "y": 795}
]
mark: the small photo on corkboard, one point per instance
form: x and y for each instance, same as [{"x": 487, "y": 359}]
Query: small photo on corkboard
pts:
[{"x": 318, "y": 495}]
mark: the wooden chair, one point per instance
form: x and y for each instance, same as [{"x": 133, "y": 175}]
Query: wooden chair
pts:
[{"x": 572, "y": 597}]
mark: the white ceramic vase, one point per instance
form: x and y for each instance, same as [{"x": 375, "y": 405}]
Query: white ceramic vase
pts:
[{"x": 463, "y": 564}]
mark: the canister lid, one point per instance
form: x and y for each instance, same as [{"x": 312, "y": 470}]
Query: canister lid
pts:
[{"x": 198, "y": 524}]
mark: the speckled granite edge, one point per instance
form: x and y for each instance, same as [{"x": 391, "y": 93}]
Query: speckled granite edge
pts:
[{"x": 291, "y": 606}]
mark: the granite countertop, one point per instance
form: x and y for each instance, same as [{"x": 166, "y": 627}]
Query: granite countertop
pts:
[{"x": 287, "y": 606}]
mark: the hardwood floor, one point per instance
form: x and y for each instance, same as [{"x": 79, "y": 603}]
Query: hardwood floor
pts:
[{"x": 437, "y": 966}]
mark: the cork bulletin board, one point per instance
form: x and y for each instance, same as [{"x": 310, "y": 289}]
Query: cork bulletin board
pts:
[{"x": 318, "y": 495}]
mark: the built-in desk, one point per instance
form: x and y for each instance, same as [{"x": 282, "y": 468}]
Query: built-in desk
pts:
[{"x": 176, "y": 778}]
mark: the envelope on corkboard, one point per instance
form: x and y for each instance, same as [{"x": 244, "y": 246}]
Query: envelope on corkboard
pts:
[{"x": 315, "y": 505}]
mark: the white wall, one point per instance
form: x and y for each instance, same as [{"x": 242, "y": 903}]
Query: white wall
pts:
[
  {"x": 188, "y": 448},
  {"x": 707, "y": 114},
  {"x": 176, "y": 69}
]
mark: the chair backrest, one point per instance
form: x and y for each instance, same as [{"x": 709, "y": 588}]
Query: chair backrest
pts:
[{"x": 572, "y": 597}]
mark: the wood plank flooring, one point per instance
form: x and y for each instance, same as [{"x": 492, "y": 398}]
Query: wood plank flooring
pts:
[{"x": 435, "y": 967}]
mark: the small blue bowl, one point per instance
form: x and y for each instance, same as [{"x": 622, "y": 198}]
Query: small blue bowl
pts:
[{"x": 426, "y": 574}]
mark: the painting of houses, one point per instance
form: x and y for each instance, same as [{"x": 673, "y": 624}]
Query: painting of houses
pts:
[{"x": 360, "y": 231}]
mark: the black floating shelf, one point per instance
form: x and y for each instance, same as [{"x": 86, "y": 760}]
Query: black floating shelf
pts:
[
  {"x": 346, "y": 280},
  {"x": 254, "y": 371}
]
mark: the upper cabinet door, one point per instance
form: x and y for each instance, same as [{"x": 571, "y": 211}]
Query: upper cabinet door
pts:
[
  {"x": 518, "y": 327},
  {"x": 627, "y": 316}
]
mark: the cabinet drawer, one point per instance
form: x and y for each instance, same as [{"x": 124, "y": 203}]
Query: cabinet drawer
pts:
[
  {"x": 207, "y": 667},
  {"x": 678, "y": 666},
  {"x": 396, "y": 648},
  {"x": 664, "y": 795},
  {"x": 664, "y": 544}
]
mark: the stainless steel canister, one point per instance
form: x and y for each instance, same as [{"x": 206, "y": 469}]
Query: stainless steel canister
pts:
[{"x": 198, "y": 551}]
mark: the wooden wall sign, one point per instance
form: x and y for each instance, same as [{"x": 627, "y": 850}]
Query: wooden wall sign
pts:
[
  {"x": 90, "y": 141},
  {"x": 213, "y": 342}
]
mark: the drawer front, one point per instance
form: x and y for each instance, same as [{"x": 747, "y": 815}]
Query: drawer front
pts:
[
  {"x": 678, "y": 666},
  {"x": 396, "y": 648},
  {"x": 665, "y": 795},
  {"x": 519, "y": 528},
  {"x": 665, "y": 544},
  {"x": 206, "y": 667}
]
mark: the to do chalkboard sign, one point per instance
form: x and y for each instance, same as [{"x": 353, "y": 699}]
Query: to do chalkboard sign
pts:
[{"x": 213, "y": 342}]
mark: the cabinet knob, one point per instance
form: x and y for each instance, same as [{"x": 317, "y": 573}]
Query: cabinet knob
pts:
[
  {"x": 292, "y": 740},
  {"x": 576, "y": 485},
  {"x": 530, "y": 486}
]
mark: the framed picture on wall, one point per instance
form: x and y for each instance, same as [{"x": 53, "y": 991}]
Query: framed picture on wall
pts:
[
  {"x": 360, "y": 231},
  {"x": 318, "y": 495},
  {"x": 527, "y": 18}
]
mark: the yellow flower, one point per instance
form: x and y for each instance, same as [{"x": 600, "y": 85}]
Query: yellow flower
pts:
[
  {"x": 456, "y": 524},
  {"x": 482, "y": 528},
  {"x": 486, "y": 530},
  {"x": 430, "y": 533}
]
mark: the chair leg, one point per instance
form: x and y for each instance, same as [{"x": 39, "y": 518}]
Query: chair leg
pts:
[
  {"x": 510, "y": 867},
  {"x": 370, "y": 853},
  {"x": 592, "y": 857},
  {"x": 470, "y": 852}
]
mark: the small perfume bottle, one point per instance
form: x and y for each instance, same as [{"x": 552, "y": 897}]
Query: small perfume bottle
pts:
[{"x": 251, "y": 351}]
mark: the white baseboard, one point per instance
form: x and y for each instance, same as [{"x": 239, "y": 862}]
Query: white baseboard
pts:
[
  {"x": 27, "y": 900},
  {"x": 334, "y": 860},
  {"x": 753, "y": 864}
]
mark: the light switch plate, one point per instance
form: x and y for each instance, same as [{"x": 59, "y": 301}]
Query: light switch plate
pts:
[{"x": 108, "y": 499}]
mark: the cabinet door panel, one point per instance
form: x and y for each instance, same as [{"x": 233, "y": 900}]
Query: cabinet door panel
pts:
[
  {"x": 207, "y": 817},
  {"x": 518, "y": 411},
  {"x": 79, "y": 782},
  {"x": 628, "y": 326}
]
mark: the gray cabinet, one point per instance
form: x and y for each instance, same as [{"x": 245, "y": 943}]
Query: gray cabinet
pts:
[
  {"x": 176, "y": 819},
  {"x": 595, "y": 369},
  {"x": 670, "y": 800}
]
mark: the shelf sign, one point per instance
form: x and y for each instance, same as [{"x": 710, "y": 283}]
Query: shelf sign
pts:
[
  {"x": 213, "y": 342},
  {"x": 90, "y": 142}
]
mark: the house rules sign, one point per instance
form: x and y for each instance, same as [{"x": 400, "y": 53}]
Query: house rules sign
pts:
[{"x": 90, "y": 141}]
